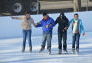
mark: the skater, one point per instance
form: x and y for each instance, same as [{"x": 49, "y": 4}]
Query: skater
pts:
[
  {"x": 47, "y": 25},
  {"x": 63, "y": 24},
  {"x": 27, "y": 29},
  {"x": 77, "y": 28}
]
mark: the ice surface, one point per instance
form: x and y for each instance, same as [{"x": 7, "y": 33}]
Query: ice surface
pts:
[
  {"x": 10, "y": 51},
  {"x": 11, "y": 44}
]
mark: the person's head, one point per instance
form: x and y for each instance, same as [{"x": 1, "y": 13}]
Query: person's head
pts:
[
  {"x": 76, "y": 16},
  {"x": 62, "y": 14},
  {"x": 27, "y": 15},
  {"x": 45, "y": 15}
]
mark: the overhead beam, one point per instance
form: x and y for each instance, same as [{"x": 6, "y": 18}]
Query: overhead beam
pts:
[{"x": 77, "y": 5}]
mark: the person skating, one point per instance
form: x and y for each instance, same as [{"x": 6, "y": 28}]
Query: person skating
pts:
[
  {"x": 27, "y": 29},
  {"x": 63, "y": 24},
  {"x": 77, "y": 28},
  {"x": 47, "y": 26}
]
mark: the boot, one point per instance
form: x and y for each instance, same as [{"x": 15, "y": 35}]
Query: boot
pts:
[
  {"x": 23, "y": 50},
  {"x": 49, "y": 50},
  {"x": 60, "y": 51},
  {"x": 65, "y": 51},
  {"x": 73, "y": 50},
  {"x": 42, "y": 48},
  {"x": 77, "y": 51},
  {"x": 30, "y": 49}
]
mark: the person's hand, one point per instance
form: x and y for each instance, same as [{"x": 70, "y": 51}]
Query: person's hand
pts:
[
  {"x": 13, "y": 17},
  {"x": 47, "y": 26},
  {"x": 83, "y": 34},
  {"x": 35, "y": 24},
  {"x": 65, "y": 28}
]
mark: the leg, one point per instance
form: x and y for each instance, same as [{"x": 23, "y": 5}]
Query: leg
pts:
[
  {"x": 24, "y": 39},
  {"x": 73, "y": 43},
  {"x": 43, "y": 42},
  {"x": 77, "y": 42},
  {"x": 60, "y": 42},
  {"x": 49, "y": 37},
  {"x": 29, "y": 40},
  {"x": 64, "y": 41}
]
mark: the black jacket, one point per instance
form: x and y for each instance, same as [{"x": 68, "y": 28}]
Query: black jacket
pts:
[{"x": 62, "y": 22}]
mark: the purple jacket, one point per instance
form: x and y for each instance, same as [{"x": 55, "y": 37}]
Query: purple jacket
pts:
[{"x": 43, "y": 24}]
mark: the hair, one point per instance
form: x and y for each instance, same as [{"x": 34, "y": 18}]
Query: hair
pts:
[
  {"x": 27, "y": 12},
  {"x": 62, "y": 13},
  {"x": 44, "y": 14},
  {"x": 76, "y": 14}
]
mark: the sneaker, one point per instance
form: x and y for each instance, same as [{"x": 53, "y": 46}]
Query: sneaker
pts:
[
  {"x": 73, "y": 50},
  {"x": 30, "y": 49},
  {"x": 49, "y": 50},
  {"x": 65, "y": 51},
  {"x": 77, "y": 51},
  {"x": 41, "y": 49},
  {"x": 23, "y": 50}
]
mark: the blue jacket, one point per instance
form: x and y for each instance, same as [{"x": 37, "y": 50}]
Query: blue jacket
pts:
[
  {"x": 81, "y": 27},
  {"x": 43, "y": 24}
]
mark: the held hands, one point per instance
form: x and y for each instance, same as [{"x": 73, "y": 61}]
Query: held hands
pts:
[
  {"x": 84, "y": 34},
  {"x": 35, "y": 24},
  {"x": 13, "y": 17},
  {"x": 65, "y": 29},
  {"x": 16, "y": 18},
  {"x": 47, "y": 26}
]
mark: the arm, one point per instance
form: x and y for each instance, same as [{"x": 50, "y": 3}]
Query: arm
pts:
[
  {"x": 82, "y": 27},
  {"x": 67, "y": 23},
  {"x": 33, "y": 23},
  {"x": 70, "y": 21},
  {"x": 56, "y": 21},
  {"x": 18, "y": 18},
  {"x": 39, "y": 24},
  {"x": 51, "y": 25}
]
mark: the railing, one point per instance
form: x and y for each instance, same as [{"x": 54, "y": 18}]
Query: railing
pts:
[{"x": 77, "y": 5}]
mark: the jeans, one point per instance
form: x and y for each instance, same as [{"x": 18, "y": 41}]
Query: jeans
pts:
[
  {"x": 62, "y": 35},
  {"x": 46, "y": 37},
  {"x": 27, "y": 34},
  {"x": 75, "y": 41}
]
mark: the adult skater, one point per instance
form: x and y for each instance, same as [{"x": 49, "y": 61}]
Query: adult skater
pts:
[
  {"x": 77, "y": 28},
  {"x": 27, "y": 29},
  {"x": 63, "y": 24},
  {"x": 47, "y": 25}
]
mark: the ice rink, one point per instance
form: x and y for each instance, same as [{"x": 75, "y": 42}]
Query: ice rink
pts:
[
  {"x": 10, "y": 51},
  {"x": 11, "y": 42}
]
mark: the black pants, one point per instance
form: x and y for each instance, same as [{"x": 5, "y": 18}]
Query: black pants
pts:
[{"x": 62, "y": 35}]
